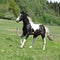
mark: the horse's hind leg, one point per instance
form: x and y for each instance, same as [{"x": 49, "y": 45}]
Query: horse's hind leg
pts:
[
  {"x": 34, "y": 39},
  {"x": 44, "y": 43}
]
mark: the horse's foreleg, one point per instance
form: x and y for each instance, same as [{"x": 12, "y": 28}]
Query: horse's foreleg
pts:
[
  {"x": 21, "y": 46},
  {"x": 21, "y": 41},
  {"x": 21, "y": 38},
  {"x": 44, "y": 43},
  {"x": 24, "y": 40}
]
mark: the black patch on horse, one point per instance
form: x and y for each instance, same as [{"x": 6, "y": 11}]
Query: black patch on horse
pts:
[
  {"x": 26, "y": 29},
  {"x": 42, "y": 30}
]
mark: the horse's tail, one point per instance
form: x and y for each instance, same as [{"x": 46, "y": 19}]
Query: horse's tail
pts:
[{"x": 48, "y": 34}]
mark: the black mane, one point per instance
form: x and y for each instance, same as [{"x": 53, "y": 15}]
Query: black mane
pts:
[
  {"x": 25, "y": 19},
  {"x": 23, "y": 12}
]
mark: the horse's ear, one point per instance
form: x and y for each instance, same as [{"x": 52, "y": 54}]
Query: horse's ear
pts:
[
  {"x": 27, "y": 14},
  {"x": 22, "y": 12}
]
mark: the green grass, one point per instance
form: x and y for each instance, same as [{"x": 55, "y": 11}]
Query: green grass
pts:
[{"x": 9, "y": 44}]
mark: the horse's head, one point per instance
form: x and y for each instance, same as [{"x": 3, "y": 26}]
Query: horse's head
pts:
[{"x": 22, "y": 16}]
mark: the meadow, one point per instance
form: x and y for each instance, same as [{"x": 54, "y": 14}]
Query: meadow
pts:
[{"x": 10, "y": 42}]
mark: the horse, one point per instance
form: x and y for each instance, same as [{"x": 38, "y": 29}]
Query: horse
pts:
[{"x": 30, "y": 28}]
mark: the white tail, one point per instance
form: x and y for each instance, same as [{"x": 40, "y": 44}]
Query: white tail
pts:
[{"x": 48, "y": 34}]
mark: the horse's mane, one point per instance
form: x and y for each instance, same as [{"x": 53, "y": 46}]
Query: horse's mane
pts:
[{"x": 23, "y": 12}]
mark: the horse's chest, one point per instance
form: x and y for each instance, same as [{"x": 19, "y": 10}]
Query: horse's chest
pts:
[{"x": 26, "y": 29}]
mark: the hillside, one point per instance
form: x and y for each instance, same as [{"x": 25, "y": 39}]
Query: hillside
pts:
[{"x": 39, "y": 10}]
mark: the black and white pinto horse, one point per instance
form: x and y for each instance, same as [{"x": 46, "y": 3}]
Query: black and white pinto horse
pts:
[{"x": 29, "y": 28}]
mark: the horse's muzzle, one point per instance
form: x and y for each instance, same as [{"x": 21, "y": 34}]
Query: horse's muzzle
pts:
[{"x": 17, "y": 21}]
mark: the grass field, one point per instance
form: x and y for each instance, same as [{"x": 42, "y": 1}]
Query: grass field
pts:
[{"x": 9, "y": 44}]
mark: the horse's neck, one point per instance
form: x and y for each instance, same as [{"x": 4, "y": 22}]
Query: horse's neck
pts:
[{"x": 25, "y": 22}]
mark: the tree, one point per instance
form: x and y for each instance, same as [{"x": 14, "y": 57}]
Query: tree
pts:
[{"x": 14, "y": 7}]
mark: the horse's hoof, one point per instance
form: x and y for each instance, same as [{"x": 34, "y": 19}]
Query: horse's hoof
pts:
[
  {"x": 21, "y": 47},
  {"x": 43, "y": 49},
  {"x": 30, "y": 46}
]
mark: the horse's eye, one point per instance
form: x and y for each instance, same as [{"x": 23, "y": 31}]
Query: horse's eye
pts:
[{"x": 21, "y": 15}]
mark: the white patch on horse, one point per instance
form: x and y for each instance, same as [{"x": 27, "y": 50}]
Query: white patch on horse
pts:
[
  {"x": 47, "y": 31},
  {"x": 34, "y": 26},
  {"x": 44, "y": 44},
  {"x": 18, "y": 17}
]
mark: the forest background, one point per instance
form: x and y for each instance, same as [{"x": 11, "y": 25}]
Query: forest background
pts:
[{"x": 41, "y": 11}]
